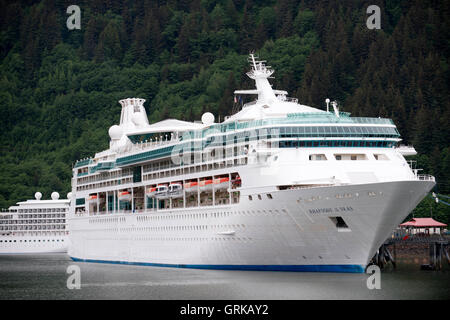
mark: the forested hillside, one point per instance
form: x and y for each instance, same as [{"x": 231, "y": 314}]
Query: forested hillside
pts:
[{"x": 59, "y": 88}]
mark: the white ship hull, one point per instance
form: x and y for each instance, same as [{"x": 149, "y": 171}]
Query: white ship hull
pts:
[
  {"x": 14, "y": 244},
  {"x": 293, "y": 231}
]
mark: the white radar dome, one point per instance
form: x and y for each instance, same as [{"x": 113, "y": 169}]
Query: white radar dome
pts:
[
  {"x": 208, "y": 118},
  {"x": 115, "y": 132},
  {"x": 38, "y": 195},
  {"x": 55, "y": 195},
  {"x": 69, "y": 195}
]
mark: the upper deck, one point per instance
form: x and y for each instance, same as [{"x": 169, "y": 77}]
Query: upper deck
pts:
[{"x": 279, "y": 121}]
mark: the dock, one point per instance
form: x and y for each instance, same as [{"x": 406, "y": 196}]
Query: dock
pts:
[{"x": 438, "y": 247}]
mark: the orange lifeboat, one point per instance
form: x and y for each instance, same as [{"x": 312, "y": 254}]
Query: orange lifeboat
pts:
[
  {"x": 237, "y": 181},
  {"x": 221, "y": 183},
  {"x": 93, "y": 198},
  {"x": 151, "y": 191},
  {"x": 124, "y": 196},
  {"x": 191, "y": 186},
  {"x": 206, "y": 185}
]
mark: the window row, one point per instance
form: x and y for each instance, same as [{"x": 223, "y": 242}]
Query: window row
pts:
[
  {"x": 43, "y": 210},
  {"x": 43, "y": 240},
  {"x": 33, "y": 227},
  {"x": 37, "y": 221},
  {"x": 337, "y": 143},
  {"x": 34, "y": 216}
]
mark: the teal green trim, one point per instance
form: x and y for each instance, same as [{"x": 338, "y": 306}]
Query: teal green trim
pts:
[
  {"x": 284, "y": 132},
  {"x": 137, "y": 174},
  {"x": 124, "y": 205},
  {"x": 110, "y": 202},
  {"x": 102, "y": 166},
  {"x": 151, "y": 202},
  {"x": 191, "y": 147},
  {"x": 159, "y": 153},
  {"x": 82, "y": 163}
]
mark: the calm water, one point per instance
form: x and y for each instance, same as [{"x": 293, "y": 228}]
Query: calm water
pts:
[{"x": 45, "y": 277}]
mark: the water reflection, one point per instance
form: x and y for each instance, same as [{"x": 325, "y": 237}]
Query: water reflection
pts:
[{"x": 45, "y": 277}]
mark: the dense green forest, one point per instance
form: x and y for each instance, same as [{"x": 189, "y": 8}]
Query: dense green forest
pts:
[{"x": 60, "y": 88}]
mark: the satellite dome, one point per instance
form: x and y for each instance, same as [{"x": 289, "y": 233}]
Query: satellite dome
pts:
[
  {"x": 208, "y": 118},
  {"x": 38, "y": 195},
  {"x": 55, "y": 195},
  {"x": 115, "y": 132},
  {"x": 69, "y": 195}
]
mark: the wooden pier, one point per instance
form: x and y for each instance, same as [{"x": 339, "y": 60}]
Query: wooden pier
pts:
[{"x": 438, "y": 247}]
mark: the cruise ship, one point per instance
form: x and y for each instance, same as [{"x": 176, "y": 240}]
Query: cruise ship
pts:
[
  {"x": 276, "y": 186},
  {"x": 35, "y": 226}
]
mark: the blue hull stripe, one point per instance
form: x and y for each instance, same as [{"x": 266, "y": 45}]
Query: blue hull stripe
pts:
[{"x": 347, "y": 268}]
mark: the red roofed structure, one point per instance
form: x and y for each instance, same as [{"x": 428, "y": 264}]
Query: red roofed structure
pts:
[
  {"x": 423, "y": 225},
  {"x": 423, "y": 222}
]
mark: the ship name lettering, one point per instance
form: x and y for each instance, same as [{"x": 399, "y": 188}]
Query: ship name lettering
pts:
[
  {"x": 320, "y": 210},
  {"x": 330, "y": 210},
  {"x": 343, "y": 209}
]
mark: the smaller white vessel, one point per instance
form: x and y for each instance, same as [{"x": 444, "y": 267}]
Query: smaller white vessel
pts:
[{"x": 35, "y": 226}]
